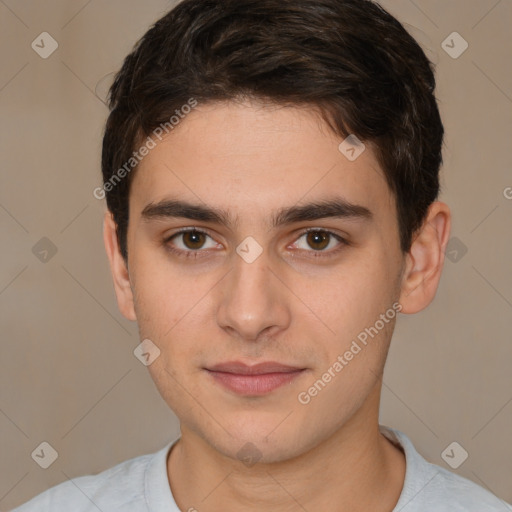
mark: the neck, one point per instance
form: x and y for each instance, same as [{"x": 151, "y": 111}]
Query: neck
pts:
[{"x": 356, "y": 467}]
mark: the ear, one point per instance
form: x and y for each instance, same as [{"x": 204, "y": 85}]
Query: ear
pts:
[
  {"x": 118, "y": 268},
  {"x": 424, "y": 261}
]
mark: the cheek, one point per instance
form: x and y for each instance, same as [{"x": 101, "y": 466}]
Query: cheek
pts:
[
  {"x": 162, "y": 295},
  {"x": 352, "y": 297},
  {"x": 170, "y": 309}
]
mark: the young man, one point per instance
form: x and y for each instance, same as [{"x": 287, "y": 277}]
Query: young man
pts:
[{"x": 271, "y": 175}]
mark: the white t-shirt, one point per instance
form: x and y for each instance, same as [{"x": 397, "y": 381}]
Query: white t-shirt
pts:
[{"x": 141, "y": 485}]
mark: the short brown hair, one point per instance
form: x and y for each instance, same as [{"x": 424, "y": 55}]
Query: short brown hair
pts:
[{"x": 350, "y": 59}]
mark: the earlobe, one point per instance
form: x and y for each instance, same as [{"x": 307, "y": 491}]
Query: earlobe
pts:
[
  {"x": 424, "y": 261},
  {"x": 118, "y": 268}
]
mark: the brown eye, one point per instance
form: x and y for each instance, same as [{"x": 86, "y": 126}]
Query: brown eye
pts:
[
  {"x": 193, "y": 239},
  {"x": 190, "y": 241},
  {"x": 320, "y": 243},
  {"x": 318, "y": 240}
]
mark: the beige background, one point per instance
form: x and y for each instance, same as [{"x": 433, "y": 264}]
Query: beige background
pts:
[{"x": 67, "y": 372}]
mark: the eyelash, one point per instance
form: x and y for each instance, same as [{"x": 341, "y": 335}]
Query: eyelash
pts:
[{"x": 196, "y": 253}]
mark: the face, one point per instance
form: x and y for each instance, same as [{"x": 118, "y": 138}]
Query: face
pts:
[{"x": 232, "y": 274}]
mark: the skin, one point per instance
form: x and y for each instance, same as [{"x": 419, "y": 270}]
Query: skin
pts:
[{"x": 286, "y": 306}]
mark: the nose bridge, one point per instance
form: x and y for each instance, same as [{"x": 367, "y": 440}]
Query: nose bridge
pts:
[{"x": 253, "y": 299}]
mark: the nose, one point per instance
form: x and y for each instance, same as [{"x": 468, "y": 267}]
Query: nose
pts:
[{"x": 253, "y": 300}]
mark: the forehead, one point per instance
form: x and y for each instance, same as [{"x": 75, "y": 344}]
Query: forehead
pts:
[{"x": 255, "y": 159}]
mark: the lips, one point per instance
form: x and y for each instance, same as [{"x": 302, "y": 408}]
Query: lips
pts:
[
  {"x": 255, "y": 379},
  {"x": 240, "y": 368}
]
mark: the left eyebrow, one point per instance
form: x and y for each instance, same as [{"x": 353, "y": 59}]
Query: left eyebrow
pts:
[
  {"x": 335, "y": 208},
  {"x": 332, "y": 208}
]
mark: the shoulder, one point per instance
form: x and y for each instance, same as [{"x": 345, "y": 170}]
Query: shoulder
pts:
[
  {"x": 428, "y": 486},
  {"x": 121, "y": 487},
  {"x": 454, "y": 493}
]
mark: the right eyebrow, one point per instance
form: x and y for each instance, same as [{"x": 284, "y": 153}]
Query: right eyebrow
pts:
[{"x": 181, "y": 209}]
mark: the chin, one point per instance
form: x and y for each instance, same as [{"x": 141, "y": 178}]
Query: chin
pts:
[{"x": 260, "y": 441}]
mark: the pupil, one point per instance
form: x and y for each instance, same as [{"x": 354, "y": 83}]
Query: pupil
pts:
[
  {"x": 316, "y": 237},
  {"x": 196, "y": 239}
]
